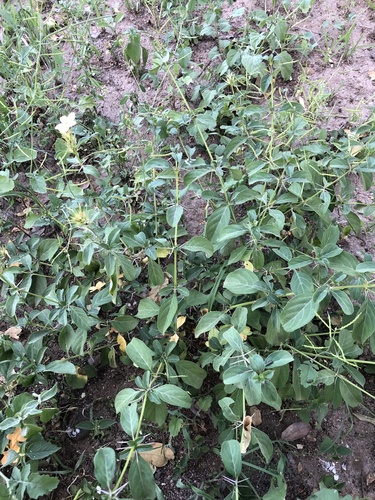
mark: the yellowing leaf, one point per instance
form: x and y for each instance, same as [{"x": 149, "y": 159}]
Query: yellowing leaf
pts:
[
  {"x": 158, "y": 456},
  {"x": 180, "y": 321},
  {"x": 98, "y": 286},
  {"x": 163, "y": 252},
  {"x": 121, "y": 342},
  {"x": 174, "y": 338},
  {"x": 246, "y": 433},
  {"x": 245, "y": 332},
  {"x": 355, "y": 150},
  {"x": 248, "y": 265}
]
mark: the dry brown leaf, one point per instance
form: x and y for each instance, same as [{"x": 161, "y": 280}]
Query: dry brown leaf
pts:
[
  {"x": 13, "y": 332},
  {"x": 158, "y": 456},
  {"x": 299, "y": 467},
  {"x": 256, "y": 416},
  {"x": 371, "y": 74},
  {"x": 370, "y": 478},
  {"x": 153, "y": 294},
  {"x": 298, "y": 430},
  {"x": 365, "y": 418},
  {"x": 246, "y": 433}
]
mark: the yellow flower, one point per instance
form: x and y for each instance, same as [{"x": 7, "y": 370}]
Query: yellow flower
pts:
[{"x": 67, "y": 122}]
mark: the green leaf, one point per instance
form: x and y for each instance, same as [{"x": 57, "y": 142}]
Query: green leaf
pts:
[
  {"x": 344, "y": 263},
  {"x": 284, "y": 63},
  {"x": 207, "y": 322},
  {"x": 6, "y": 184},
  {"x": 298, "y": 312},
  {"x": 129, "y": 419},
  {"x": 155, "y": 274},
  {"x": 233, "y": 145},
  {"x": 141, "y": 480},
  {"x": 366, "y": 267},
  {"x": 301, "y": 283},
  {"x": 104, "y": 467},
  {"x": 234, "y": 231},
  {"x": 199, "y": 244},
  {"x": 278, "y": 358},
  {"x": 191, "y": 373},
  {"x": 23, "y": 154},
  {"x": 364, "y": 325},
  {"x": 81, "y": 319},
  {"x": 350, "y": 394},
  {"x": 124, "y": 398},
  {"x": 47, "y": 249},
  {"x": 265, "y": 444},
  {"x": 61, "y": 366},
  {"x": 174, "y": 215},
  {"x": 173, "y": 395},
  {"x": 343, "y": 301},
  {"x": 253, "y": 64},
  {"x": 147, "y": 308},
  {"x": 124, "y": 323},
  {"x": 305, "y": 5},
  {"x": 241, "y": 282},
  {"x": 40, "y": 484},
  {"x": 216, "y": 222},
  {"x": 231, "y": 456},
  {"x": 167, "y": 312},
  {"x": 140, "y": 354},
  {"x": 38, "y": 448}
]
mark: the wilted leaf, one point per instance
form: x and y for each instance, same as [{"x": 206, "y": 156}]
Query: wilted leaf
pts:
[
  {"x": 158, "y": 456},
  {"x": 246, "y": 433},
  {"x": 365, "y": 418},
  {"x": 295, "y": 431},
  {"x": 13, "y": 332},
  {"x": 121, "y": 342},
  {"x": 153, "y": 294},
  {"x": 256, "y": 416}
]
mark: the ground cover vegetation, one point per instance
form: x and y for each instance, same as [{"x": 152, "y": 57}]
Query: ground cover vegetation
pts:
[{"x": 265, "y": 306}]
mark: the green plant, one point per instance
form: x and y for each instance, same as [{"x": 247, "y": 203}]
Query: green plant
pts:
[{"x": 265, "y": 306}]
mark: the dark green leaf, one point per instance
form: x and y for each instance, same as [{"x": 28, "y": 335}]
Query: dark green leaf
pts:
[
  {"x": 167, "y": 312},
  {"x": 298, "y": 312},
  {"x": 141, "y": 480},
  {"x": 104, "y": 467},
  {"x": 199, "y": 244},
  {"x": 207, "y": 322},
  {"x": 40, "y": 484},
  {"x": 241, "y": 282},
  {"x": 140, "y": 354},
  {"x": 190, "y": 373},
  {"x": 231, "y": 456},
  {"x": 174, "y": 395},
  {"x": 61, "y": 366}
]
